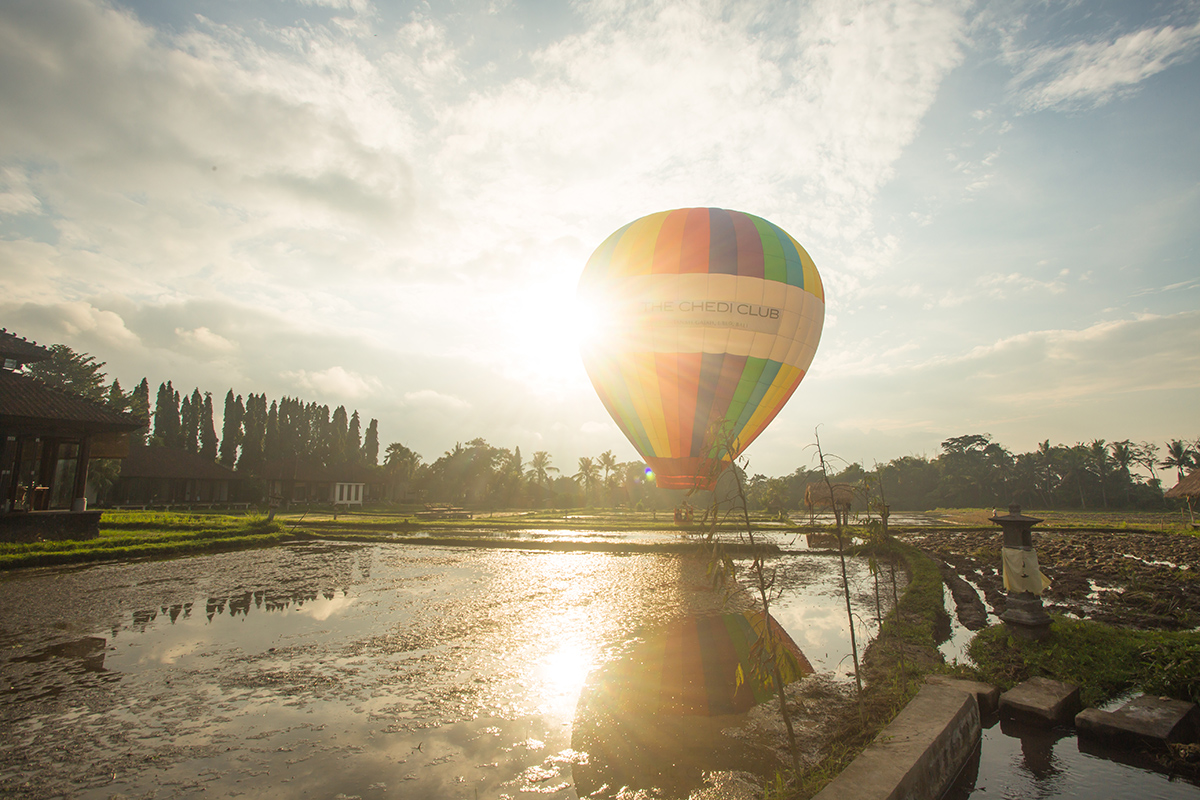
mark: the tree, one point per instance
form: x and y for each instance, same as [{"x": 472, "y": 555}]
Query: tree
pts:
[
  {"x": 540, "y": 468},
  {"x": 608, "y": 463},
  {"x": 78, "y": 373},
  {"x": 190, "y": 410},
  {"x": 1180, "y": 456},
  {"x": 273, "y": 439},
  {"x": 139, "y": 406},
  {"x": 338, "y": 431},
  {"x": 166, "y": 416},
  {"x": 353, "y": 447},
  {"x": 116, "y": 399},
  {"x": 1123, "y": 454},
  {"x": 588, "y": 476},
  {"x": 1098, "y": 450},
  {"x": 208, "y": 429},
  {"x": 400, "y": 462},
  {"x": 254, "y": 433},
  {"x": 370, "y": 448},
  {"x": 231, "y": 429}
]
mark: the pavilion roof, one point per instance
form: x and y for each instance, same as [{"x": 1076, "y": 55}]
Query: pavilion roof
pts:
[
  {"x": 20, "y": 349},
  {"x": 29, "y": 406}
]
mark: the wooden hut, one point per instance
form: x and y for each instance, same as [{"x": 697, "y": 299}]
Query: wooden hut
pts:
[
  {"x": 47, "y": 437},
  {"x": 1187, "y": 490}
]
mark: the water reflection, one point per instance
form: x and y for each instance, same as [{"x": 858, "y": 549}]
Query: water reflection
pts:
[
  {"x": 362, "y": 670},
  {"x": 655, "y": 718},
  {"x": 1016, "y": 761}
]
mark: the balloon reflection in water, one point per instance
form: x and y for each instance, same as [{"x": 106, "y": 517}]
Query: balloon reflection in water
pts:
[{"x": 654, "y": 718}]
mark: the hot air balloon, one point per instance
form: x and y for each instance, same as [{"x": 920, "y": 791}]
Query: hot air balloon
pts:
[{"x": 708, "y": 320}]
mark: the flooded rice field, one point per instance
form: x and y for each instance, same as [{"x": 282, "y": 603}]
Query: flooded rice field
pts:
[{"x": 347, "y": 670}]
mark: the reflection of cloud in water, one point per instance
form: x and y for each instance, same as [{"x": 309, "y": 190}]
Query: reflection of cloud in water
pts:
[{"x": 325, "y": 607}]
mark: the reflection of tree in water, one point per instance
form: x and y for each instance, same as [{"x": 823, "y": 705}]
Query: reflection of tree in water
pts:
[{"x": 262, "y": 599}]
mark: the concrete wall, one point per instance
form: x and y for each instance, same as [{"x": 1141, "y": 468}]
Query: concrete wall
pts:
[{"x": 919, "y": 754}]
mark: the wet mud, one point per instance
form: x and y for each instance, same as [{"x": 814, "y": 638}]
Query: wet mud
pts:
[
  {"x": 349, "y": 670},
  {"x": 1136, "y": 579}
]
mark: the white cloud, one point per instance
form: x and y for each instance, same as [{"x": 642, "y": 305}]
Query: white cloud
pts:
[
  {"x": 334, "y": 382},
  {"x": 15, "y": 195},
  {"x": 428, "y": 398},
  {"x": 202, "y": 340},
  {"x": 66, "y": 321},
  {"x": 1090, "y": 73}
]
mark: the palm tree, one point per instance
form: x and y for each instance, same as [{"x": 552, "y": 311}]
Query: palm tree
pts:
[
  {"x": 588, "y": 475},
  {"x": 608, "y": 463},
  {"x": 1179, "y": 456},
  {"x": 1124, "y": 453},
  {"x": 400, "y": 461},
  {"x": 401, "y": 465},
  {"x": 1098, "y": 451},
  {"x": 540, "y": 468}
]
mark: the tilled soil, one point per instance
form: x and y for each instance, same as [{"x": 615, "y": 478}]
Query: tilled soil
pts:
[{"x": 1137, "y": 579}]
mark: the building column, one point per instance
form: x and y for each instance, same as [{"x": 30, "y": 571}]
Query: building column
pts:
[{"x": 79, "y": 503}]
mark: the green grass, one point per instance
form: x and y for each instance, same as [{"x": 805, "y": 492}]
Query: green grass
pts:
[
  {"x": 1167, "y": 521},
  {"x": 1104, "y": 661},
  {"x": 142, "y": 534}
]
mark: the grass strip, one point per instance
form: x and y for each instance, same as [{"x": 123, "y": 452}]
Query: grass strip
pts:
[
  {"x": 1103, "y": 660},
  {"x": 203, "y": 536}
]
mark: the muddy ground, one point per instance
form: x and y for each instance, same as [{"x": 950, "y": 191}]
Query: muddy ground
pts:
[{"x": 1138, "y": 579}]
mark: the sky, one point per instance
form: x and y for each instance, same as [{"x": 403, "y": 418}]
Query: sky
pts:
[{"x": 389, "y": 205}]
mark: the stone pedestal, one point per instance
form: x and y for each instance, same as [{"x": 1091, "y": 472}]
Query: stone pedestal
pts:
[{"x": 1024, "y": 616}]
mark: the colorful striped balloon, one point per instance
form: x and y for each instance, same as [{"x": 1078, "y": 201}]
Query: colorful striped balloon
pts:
[{"x": 709, "y": 321}]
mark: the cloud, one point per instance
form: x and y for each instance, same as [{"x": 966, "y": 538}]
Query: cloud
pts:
[
  {"x": 428, "y": 398},
  {"x": 333, "y": 382},
  {"x": 65, "y": 321},
  {"x": 1087, "y": 74},
  {"x": 203, "y": 340},
  {"x": 15, "y": 195}
]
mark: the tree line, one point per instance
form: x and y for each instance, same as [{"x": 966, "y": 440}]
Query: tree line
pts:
[
  {"x": 969, "y": 471},
  {"x": 253, "y": 432}
]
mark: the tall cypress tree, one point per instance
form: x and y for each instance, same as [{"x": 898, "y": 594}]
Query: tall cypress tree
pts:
[
  {"x": 166, "y": 416},
  {"x": 191, "y": 432},
  {"x": 272, "y": 444},
  {"x": 370, "y": 448},
  {"x": 338, "y": 427},
  {"x": 354, "y": 440},
  {"x": 139, "y": 406},
  {"x": 187, "y": 420},
  {"x": 231, "y": 429},
  {"x": 116, "y": 399},
  {"x": 208, "y": 430},
  {"x": 254, "y": 429}
]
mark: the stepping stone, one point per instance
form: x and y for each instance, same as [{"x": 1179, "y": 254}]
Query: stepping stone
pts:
[
  {"x": 1041, "y": 702},
  {"x": 1155, "y": 721},
  {"x": 986, "y": 695}
]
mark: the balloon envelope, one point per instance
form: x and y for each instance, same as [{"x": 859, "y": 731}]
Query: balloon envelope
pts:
[{"x": 709, "y": 319}]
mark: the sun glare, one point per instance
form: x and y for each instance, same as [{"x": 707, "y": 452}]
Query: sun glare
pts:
[{"x": 562, "y": 673}]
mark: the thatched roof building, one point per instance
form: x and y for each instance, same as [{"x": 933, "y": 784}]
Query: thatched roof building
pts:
[{"x": 1188, "y": 487}]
